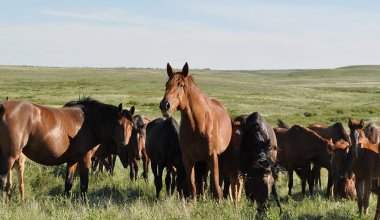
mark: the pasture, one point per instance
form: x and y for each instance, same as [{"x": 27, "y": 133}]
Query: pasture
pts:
[{"x": 296, "y": 96}]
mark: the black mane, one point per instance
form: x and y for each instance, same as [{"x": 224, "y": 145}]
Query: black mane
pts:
[{"x": 93, "y": 108}]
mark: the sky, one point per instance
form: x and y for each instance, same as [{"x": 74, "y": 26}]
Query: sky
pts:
[{"x": 231, "y": 35}]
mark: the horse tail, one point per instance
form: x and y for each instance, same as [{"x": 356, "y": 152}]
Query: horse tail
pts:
[{"x": 281, "y": 124}]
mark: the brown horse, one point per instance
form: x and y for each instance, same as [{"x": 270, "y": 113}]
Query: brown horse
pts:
[
  {"x": 341, "y": 142},
  {"x": 229, "y": 160},
  {"x": 136, "y": 147},
  {"x": 53, "y": 136},
  {"x": 258, "y": 155},
  {"x": 162, "y": 145},
  {"x": 344, "y": 182},
  {"x": 19, "y": 166},
  {"x": 205, "y": 129},
  {"x": 365, "y": 162},
  {"x": 293, "y": 154}
]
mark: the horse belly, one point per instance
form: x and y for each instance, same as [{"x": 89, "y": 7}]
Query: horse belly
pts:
[{"x": 51, "y": 151}]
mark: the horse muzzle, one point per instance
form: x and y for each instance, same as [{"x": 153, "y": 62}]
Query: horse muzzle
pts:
[{"x": 165, "y": 108}]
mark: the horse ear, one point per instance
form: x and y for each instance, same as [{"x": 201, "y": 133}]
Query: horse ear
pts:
[
  {"x": 169, "y": 70},
  {"x": 185, "y": 70},
  {"x": 350, "y": 123},
  {"x": 120, "y": 107},
  {"x": 362, "y": 123},
  {"x": 132, "y": 110}
]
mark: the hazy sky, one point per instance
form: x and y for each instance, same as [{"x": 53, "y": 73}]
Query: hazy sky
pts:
[{"x": 239, "y": 34}]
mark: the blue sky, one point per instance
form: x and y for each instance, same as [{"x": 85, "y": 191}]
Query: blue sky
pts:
[{"x": 237, "y": 34}]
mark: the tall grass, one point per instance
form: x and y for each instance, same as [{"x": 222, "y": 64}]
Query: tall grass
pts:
[{"x": 296, "y": 96}]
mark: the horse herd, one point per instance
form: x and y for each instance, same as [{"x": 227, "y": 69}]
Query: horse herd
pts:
[{"x": 241, "y": 152}]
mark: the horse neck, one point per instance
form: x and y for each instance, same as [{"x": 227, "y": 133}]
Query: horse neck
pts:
[
  {"x": 315, "y": 138},
  {"x": 196, "y": 105},
  {"x": 99, "y": 126}
]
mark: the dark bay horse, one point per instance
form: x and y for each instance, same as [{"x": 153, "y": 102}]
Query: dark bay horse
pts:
[
  {"x": 229, "y": 162},
  {"x": 258, "y": 155},
  {"x": 298, "y": 147},
  {"x": 365, "y": 163},
  {"x": 205, "y": 129},
  {"x": 136, "y": 148},
  {"x": 53, "y": 136},
  {"x": 162, "y": 146}
]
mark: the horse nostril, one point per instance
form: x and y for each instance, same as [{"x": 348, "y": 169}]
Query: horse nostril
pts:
[{"x": 167, "y": 106}]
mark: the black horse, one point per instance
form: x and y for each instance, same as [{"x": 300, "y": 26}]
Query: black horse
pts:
[
  {"x": 162, "y": 146},
  {"x": 258, "y": 154}
]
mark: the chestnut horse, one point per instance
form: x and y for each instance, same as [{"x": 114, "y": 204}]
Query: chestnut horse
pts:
[
  {"x": 258, "y": 155},
  {"x": 162, "y": 146},
  {"x": 205, "y": 129},
  {"x": 136, "y": 147},
  {"x": 53, "y": 136},
  {"x": 293, "y": 154},
  {"x": 365, "y": 162}
]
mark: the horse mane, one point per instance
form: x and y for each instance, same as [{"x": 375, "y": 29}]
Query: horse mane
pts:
[
  {"x": 282, "y": 124},
  {"x": 342, "y": 132},
  {"x": 138, "y": 122},
  {"x": 372, "y": 132},
  {"x": 107, "y": 111}
]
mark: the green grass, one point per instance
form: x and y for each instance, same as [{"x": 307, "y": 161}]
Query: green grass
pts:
[{"x": 296, "y": 96}]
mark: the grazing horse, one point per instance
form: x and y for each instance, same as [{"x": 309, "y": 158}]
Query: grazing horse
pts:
[
  {"x": 162, "y": 146},
  {"x": 258, "y": 155},
  {"x": 293, "y": 154},
  {"x": 229, "y": 162},
  {"x": 19, "y": 166},
  {"x": 136, "y": 147},
  {"x": 53, "y": 136},
  {"x": 365, "y": 162},
  {"x": 205, "y": 129}
]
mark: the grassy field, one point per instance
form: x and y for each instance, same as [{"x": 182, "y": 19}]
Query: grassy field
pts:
[{"x": 297, "y": 96}]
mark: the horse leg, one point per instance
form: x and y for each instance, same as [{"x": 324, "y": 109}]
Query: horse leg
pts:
[
  {"x": 226, "y": 182},
  {"x": 359, "y": 185},
  {"x": 303, "y": 175},
  {"x": 213, "y": 164},
  {"x": 290, "y": 181},
  {"x": 132, "y": 171},
  {"x": 84, "y": 168},
  {"x": 113, "y": 159},
  {"x": 6, "y": 164},
  {"x": 168, "y": 180},
  {"x": 174, "y": 179},
  {"x": 19, "y": 166},
  {"x": 71, "y": 167},
  {"x": 145, "y": 160},
  {"x": 158, "y": 181},
  {"x": 190, "y": 176},
  {"x": 8, "y": 185},
  {"x": 377, "y": 214},
  {"x": 274, "y": 192},
  {"x": 136, "y": 167},
  {"x": 329, "y": 183},
  {"x": 154, "y": 167},
  {"x": 367, "y": 192}
]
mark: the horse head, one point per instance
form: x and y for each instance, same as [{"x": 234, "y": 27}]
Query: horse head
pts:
[
  {"x": 356, "y": 135},
  {"x": 138, "y": 134},
  {"x": 123, "y": 132},
  {"x": 177, "y": 87}
]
